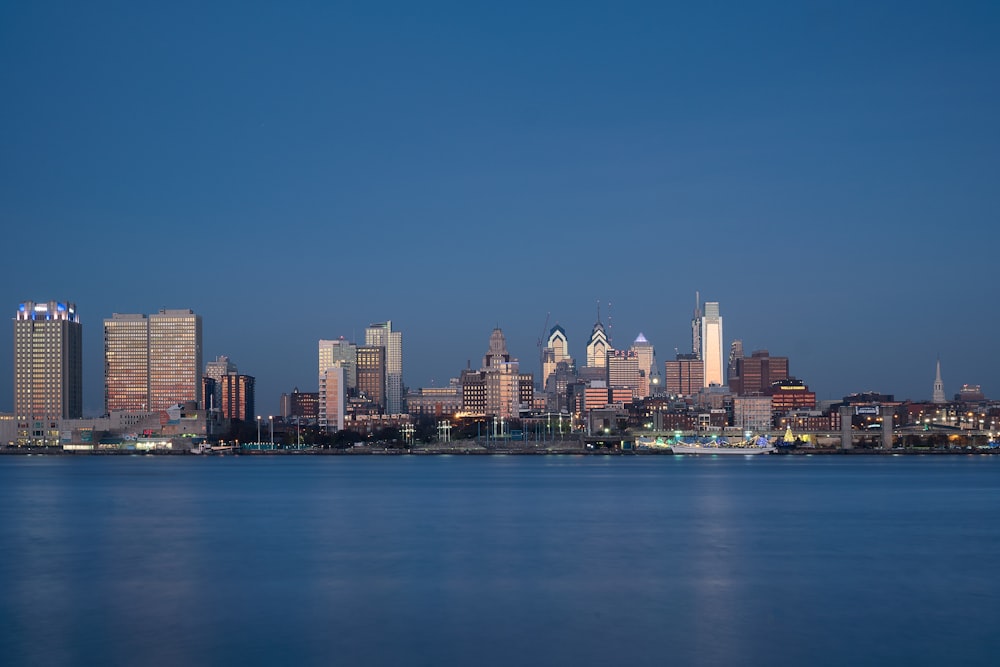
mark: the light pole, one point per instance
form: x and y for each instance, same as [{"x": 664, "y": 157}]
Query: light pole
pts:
[
  {"x": 270, "y": 419},
  {"x": 258, "y": 429}
]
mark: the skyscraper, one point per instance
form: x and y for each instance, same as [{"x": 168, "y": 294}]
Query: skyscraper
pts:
[
  {"x": 152, "y": 363},
  {"x": 216, "y": 370},
  {"x": 711, "y": 345},
  {"x": 332, "y": 398},
  {"x": 48, "y": 361},
  {"x": 382, "y": 335},
  {"x": 237, "y": 396},
  {"x": 126, "y": 363},
  {"x": 598, "y": 347},
  {"x": 340, "y": 352},
  {"x": 371, "y": 374},
  {"x": 696, "y": 325},
  {"x": 556, "y": 350},
  {"x": 175, "y": 358}
]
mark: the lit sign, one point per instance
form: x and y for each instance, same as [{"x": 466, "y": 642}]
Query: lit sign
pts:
[{"x": 866, "y": 410}]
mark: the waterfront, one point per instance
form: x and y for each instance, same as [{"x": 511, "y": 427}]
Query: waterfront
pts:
[{"x": 499, "y": 560}]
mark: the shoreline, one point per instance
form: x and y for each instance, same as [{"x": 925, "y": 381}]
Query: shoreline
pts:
[{"x": 474, "y": 450}]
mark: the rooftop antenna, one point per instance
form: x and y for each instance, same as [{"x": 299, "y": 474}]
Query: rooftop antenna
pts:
[{"x": 611, "y": 325}]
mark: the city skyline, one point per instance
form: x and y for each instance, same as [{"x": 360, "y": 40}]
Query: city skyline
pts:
[
  {"x": 827, "y": 175},
  {"x": 533, "y": 365}
]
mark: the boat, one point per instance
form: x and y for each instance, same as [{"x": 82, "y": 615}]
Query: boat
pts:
[{"x": 759, "y": 446}]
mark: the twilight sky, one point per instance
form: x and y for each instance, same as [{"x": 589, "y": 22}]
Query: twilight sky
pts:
[{"x": 827, "y": 171}]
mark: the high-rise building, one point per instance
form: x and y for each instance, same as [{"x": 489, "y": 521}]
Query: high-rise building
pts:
[
  {"x": 598, "y": 347},
  {"x": 624, "y": 371},
  {"x": 556, "y": 349},
  {"x": 498, "y": 388},
  {"x": 383, "y": 335},
  {"x": 371, "y": 375},
  {"x": 711, "y": 345},
  {"x": 48, "y": 361},
  {"x": 175, "y": 360},
  {"x": 939, "y": 395},
  {"x": 126, "y": 363},
  {"x": 343, "y": 353},
  {"x": 684, "y": 376},
  {"x": 646, "y": 355},
  {"x": 755, "y": 374},
  {"x": 237, "y": 396},
  {"x": 168, "y": 345},
  {"x": 332, "y": 398},
  {"x": 216, "y": 370},
  {"x": 733, "y": 368},
  {"x": 696, "y": 325}
]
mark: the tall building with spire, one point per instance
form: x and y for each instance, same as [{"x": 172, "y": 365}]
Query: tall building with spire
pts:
[
  {"x": 556, "y": 349},
  {"x": 598, "y": 347},
  {"x": 48, "y": 362},
  {"x": 938, "y": 396},
  {"x": 696, "y": 325},
  {"x": 711, "y": 345}
]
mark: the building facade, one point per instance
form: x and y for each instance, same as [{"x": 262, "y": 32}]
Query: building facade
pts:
[
  {"x": 237, "y": 396},
  {"x": 383, "y": 335},
  {"x": 152, "y": 363},
  {"x": 712, "y": 345},
  {"x": 48, "y": 363},
  {"x": 684, "y": 376}
]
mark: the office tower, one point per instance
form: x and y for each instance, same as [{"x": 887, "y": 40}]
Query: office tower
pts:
[
  {"x": 343, "y": 353},
  {"x": 645, "y": 353},
  {"x": 333, "y": 396},
  {"x": 939, "y": 396},
  {"x": 598, "y": 347},
  {"x": 755, "y": 374},
  {"x": 684, "y": 376},
  {"x": 237, "y": 396},
  {"x": 216, "y": 370},
  {"x": 711, "y": 345},
  {"x": 371, "y": 374},
  {"x": 126, "y": 363},
  {"x": 624, "y": 371},
  {"x": 696, "y": 325},
  {"x": 167, "y": 345},
  {"x": 382, "y": 335},
  {"x": 733, "y": 367},
  {"x": 175, "y": 360},
  {"x": 498, "y": 388},
  {"x": 48, "y": 361},
  {"x": 556, "y": 350}
]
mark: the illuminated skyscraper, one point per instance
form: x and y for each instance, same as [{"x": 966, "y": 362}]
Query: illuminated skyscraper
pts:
[
  {"x": 556, "y": 350},
  {"x": 48, "y": 361},
  {"x": 711, "y": 345},
  {"x": 332, "y": 397},
  {"x": 343, "y": 353},
  {"x": 216, "y": 370},
  {"x": 237, "y": 396},
  {"x": 696, "y": 325},
  {"x": 126, "y": 363},
  {"x": 382, "y": 335},
  {"x": 152, "y": 363},
  {"x": 598, "y": 347},
  {"x": 175, "y": 359}
]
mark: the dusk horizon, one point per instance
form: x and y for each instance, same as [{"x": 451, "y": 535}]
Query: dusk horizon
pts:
[{"x": 827, "y": 174}]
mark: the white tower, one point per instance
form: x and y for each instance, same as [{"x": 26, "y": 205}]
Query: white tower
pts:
[
  {"x": 938, "y": 386},
  {"x": 711, "y": 345}
]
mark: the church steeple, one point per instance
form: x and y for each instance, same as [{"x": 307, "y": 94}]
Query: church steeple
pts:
[{"x": 939, "y": 396}]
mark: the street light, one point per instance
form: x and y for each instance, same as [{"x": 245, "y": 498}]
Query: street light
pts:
[
  {"x": 270, "y": 418},
  {"x": 258, "y": 429}
]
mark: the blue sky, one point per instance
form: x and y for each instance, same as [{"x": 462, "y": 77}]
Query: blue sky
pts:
[{"x": 827, "y": 171}]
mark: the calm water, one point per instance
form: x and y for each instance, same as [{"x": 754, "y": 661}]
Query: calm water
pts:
[{"x": 500, "y": 560}]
